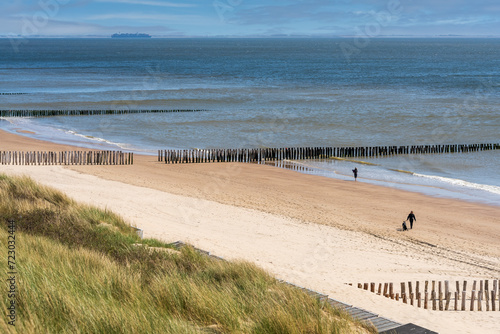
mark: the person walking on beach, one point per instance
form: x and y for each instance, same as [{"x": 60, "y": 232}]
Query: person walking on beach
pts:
[
  {"x": 411, "y": 218},
  {"x": 355, "y": 172}
]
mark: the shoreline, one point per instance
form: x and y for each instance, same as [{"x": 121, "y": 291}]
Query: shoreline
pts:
[
  {"x": 481, "y": 193},
  {"x": 245, "y": 185},
  {"x": 310, "y": 230}
]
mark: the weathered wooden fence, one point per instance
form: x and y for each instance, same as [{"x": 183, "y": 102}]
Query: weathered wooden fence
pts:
[
  {"x": 77, "y": 112},
  {"x": 439, "y": 295},
  {"x": 297, "y": 153},
  {"x": 66, "y": 158}
]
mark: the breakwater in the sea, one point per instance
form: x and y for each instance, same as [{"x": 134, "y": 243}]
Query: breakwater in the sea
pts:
[
  {"x": 66, "y": 158},
  {"x": 78, "y": 112},
  {"x": 298, "y": 153}
]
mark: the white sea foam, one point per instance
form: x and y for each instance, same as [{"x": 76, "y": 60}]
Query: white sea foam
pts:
[
  {"x": 462, "y": 183},
  {"x": 97, "y": 139}
]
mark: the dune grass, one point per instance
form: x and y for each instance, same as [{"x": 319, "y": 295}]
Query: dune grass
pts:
[{"x": 84, "y": 270}]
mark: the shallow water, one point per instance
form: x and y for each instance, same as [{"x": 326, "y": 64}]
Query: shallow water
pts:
[{"x": 431, "y": 174}]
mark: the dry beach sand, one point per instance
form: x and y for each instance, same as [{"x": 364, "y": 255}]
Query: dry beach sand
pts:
[{"x": 313, "y": 231}]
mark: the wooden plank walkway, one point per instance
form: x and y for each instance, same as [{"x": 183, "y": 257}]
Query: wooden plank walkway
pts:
[{"x": 408, "y": 329}]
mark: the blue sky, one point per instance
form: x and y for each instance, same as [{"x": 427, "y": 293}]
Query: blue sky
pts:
[{"x": 250, "y": 17}]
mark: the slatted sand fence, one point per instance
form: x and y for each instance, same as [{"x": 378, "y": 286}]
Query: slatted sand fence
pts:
[
  {"x": 476, "y": 295},
  {"x": 260, "y": 155},
  {"x": 87, "y": 112},
  {"x": 66, "y": 158}
]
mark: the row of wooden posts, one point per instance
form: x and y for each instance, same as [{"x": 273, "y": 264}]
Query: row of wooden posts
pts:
[
  {"x": 78, "y": 112},
  {"x": 66, "y": 158},
  {"x": 13, "y": 93},
  {"x": 297, "y": 153},
  {"x": 481, "y": 297}
]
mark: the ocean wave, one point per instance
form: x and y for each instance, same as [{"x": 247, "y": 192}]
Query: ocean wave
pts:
[
  {"x": 97, "y": 139},
  {"x": 462, "y": 183},
  {"x": 7, "y": 119},
  {"x": 16, "y": 120}
]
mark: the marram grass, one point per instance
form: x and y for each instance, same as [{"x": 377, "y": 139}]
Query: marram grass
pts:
[{"x": 81, "y": 270}]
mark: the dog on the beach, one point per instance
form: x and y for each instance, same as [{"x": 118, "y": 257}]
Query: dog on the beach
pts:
[{"x": 404, "y": 226}]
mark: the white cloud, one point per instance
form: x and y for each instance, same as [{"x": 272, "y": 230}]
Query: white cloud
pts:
[
  {"x": 365, "y": 13},
  {"x": 26, "y": 27},
  {"x": 459, "y": 21},
  {"x": 141, "y": 16},
  {"x": 150, "y": 3}
]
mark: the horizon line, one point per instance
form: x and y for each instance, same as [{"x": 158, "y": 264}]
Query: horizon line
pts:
[{"x": 251, "y": 36}]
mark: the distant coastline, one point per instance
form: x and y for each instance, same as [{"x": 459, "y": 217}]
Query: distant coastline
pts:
[{"x": 136, "y": 35}]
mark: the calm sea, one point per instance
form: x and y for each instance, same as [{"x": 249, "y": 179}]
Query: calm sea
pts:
[{"x": 274, "y": 93}]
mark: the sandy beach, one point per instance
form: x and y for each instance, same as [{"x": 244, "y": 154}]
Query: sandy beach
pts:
[{"x": 313, "y": 231}]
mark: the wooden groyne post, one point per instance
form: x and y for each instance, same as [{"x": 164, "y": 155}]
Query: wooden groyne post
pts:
[
  {"x": 86, "y": 112},
  {"x": 66, "y": 158},
  {"x": 262, "y": 155}
]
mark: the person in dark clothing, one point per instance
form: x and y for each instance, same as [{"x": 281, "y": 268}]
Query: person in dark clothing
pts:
[
  {"x": 411, "y": 218},
  {"x": 355, "y": 172}
]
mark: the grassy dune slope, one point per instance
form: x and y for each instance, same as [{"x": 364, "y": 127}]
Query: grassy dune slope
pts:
[{"x": 81, "y": 270}]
